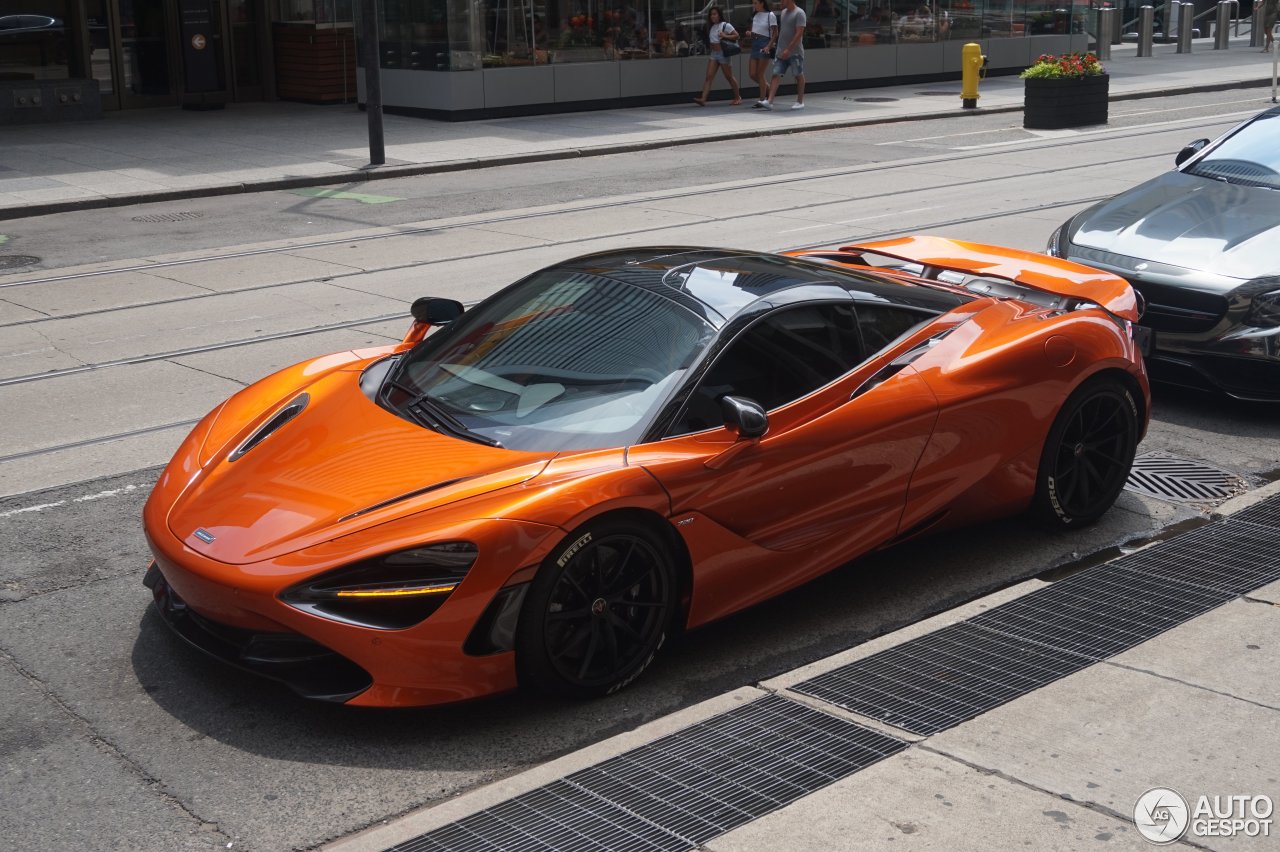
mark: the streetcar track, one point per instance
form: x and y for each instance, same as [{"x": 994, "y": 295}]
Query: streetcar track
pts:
[
  {"x": 87, "y": 442},
  {"x": 791, "y": 181},
  {"x": 355, "y": 273},
  {"x": 788, "y": 180}
]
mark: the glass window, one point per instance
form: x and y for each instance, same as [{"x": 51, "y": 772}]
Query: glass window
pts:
[
  {"x": 781, "y": 358},
  {"x": 33, "y": 40},
  {"x": 883, "y": 324},
  {"x": 565, "y": 361},
  {"x": 1249, "y": 158}
]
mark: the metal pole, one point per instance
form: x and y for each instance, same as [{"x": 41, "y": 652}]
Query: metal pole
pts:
[
  {"x": 1222, "y": 26},
  {"x": 1106, "y": 24},
  {"x": 1170, "y": 19},
  {"x": 1255, "y": 28},
  {"x": 1186, "y": 21},
  {"x": 1275, "y": 69},
  {"x": 1146, "y": 23},
  {"x": 371, "y": 58}
]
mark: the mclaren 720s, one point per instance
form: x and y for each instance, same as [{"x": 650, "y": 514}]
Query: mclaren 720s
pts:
[{"x": 539, "y": 489}]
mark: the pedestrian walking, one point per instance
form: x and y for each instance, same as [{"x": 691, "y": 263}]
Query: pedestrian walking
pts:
[
  {"x": 1268, "y": 9},
  {"x": 791, "y": 24},
  {"x": 719, "y": 33},
  {"x": 764, "y": 40}
]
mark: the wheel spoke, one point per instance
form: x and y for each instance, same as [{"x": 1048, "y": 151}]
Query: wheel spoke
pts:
[
  {"x": 590, "y": 653},
  {"x": 574, "y": 642},
  {"x": 568, "y": 577},
  {"x": 610, "y": 642},
  {"x": 626, "y": 628},
  {"x": 641, "y": 604},
  {"x": 584, "y": 612}
]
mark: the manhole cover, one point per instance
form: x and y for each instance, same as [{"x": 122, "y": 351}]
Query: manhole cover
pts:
[
  {"x": 940, "y": 94},
  {"x": 875, "y": 100},
  {"x": 13, "y": 261},
  {"x": 1182, "y": 480},
  {"x": 168, "y": 217}
]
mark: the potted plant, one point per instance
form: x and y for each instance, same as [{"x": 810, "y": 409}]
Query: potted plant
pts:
[{"x": 1065, "y": 91}]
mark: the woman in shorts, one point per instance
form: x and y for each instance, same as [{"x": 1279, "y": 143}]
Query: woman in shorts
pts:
[
  {"x": 718, "y": 31},
  {"x": 764, "y": 37}
]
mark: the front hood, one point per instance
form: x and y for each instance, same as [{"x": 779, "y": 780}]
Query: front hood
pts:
[
  {"x": 342, "y": 465},
  {"x": 1189, "y": 222}
]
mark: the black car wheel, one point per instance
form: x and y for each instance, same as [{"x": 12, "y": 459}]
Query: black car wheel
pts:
[
  {"x": 1088, "y": 454},
  {"x": 597, "y": 612}
]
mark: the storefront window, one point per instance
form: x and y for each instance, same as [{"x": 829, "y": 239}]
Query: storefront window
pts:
[
  {"x": 528, "y": 32},
  {"x": 33, "y": 40}
]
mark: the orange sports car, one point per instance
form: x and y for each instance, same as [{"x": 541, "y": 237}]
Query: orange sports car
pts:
[{"x": 629, "y": 443}]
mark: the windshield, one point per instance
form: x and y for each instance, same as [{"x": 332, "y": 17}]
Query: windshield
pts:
[
  {"x": 564, "y": 361},
  {"x": 1251, "y": 157}
]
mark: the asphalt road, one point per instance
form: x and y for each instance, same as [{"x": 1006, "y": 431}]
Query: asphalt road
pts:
[{"x": 115, "y": 735}]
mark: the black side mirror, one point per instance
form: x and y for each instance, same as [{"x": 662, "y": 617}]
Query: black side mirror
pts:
[
  {"x": 744, "y": 416},
  {"x": 1189, "y": 151},
  {"x": 433, "y": 311}
]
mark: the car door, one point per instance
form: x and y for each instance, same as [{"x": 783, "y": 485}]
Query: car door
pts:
[{"x": 829, "y": 478}]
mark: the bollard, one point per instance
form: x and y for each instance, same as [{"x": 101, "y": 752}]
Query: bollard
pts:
[
  {"x": 1169, "y": 14},
  {"x": 1108, "y": 19},
  {"x": 1186, "y": 21},
  {"x": 1146, "y": 23},
  {"x": 1256, "y": 36},
  {"x": 1222, "y": 27}
]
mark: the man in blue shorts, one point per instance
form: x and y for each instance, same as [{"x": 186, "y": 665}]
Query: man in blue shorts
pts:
[{"x": 790, "y": 56}]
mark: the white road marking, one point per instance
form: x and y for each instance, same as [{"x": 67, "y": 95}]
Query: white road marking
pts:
[{"x": 101, "y": 495}]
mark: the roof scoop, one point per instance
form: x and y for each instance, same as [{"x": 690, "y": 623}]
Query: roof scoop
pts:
[{"x": 281, "y": 417}]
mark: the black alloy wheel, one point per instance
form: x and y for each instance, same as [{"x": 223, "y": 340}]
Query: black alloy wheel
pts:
[
  {"x": 597, "y": 612},
  {"x": 1087, "y": 457}
]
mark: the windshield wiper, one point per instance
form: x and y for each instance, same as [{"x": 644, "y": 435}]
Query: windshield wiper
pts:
[{"x": 427, "y": 412}]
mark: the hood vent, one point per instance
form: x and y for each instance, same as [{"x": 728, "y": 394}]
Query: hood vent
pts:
[
  {"x": 283, "y": 416},
  {"x": 402, "y": 497}
]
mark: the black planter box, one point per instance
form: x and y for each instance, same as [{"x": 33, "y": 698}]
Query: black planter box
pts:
[{"x": 1065, "y": 102}]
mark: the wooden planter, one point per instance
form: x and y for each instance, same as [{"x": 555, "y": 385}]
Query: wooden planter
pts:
[{"x": 1065, "y": 102}]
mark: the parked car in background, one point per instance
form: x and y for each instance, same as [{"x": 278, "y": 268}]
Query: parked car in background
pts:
[{"x": 1201, "y": 244}]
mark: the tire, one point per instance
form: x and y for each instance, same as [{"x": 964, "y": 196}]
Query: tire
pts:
[
  {"x": 597, "y": 612},
  {"x": 1087, "y": 456}
]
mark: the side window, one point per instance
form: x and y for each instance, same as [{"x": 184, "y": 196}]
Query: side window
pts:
[
  {"x": 779, "y": 359},
  {"x": 883, "y": 324}
]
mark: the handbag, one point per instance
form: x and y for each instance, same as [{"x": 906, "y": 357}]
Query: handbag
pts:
[{"x": 728, "y": 48}]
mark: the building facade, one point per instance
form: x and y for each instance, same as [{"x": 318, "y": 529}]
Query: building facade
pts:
[{"x": 461, "y": 59}]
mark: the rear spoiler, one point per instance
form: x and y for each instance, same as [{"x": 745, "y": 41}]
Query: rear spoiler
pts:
[{"x": 1037, "y": 271}]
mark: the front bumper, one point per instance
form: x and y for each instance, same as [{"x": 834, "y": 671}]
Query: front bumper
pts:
[{"x": 233, "y": 613}]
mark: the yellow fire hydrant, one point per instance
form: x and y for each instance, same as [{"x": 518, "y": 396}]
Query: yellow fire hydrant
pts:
[{"x": 972, "y": 65}]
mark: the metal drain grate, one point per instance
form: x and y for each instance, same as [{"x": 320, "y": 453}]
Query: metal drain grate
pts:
[
  {"x": 679, "y": 791},
  {"x": 875, "y": 100},
  {"x": 1265, "y": 514},
  {"x": 15, "y": 261},
  {"x": 168, "y": 217},
  {"x": 1182, "y": 480},
  {"x": 1232, "y": 556},
  {"x": 954, "y": 674},
  {"x": 942, "y": 679}
]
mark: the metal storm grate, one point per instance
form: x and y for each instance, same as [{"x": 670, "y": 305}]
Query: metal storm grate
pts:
[
  {"x": 942, "y": 679},
  {"x": 954, "y": 674},
  {"x": 15, "y": 261},
  {"x": 169, "y": 217},
  {"x": 1183, "y": 480},
  {"x": 679, "y": 791},
  {"x": 874, "y": 100},
  {"x": 1265, "y": 514},
  {"x": 1233, "y": 556}
]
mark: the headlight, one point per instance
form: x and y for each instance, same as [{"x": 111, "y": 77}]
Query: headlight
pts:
[
  {"x": 1264, "y": 312},
  {"x": 389, "y": 592},
  {"x": 1057, "y": 245}
]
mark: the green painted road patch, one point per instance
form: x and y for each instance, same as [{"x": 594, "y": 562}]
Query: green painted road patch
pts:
[{"x": 363, "y": 198}]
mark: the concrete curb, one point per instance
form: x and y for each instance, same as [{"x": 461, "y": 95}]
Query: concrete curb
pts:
[{"x": 373, "y": 173}]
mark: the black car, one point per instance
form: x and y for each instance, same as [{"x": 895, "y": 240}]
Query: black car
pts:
[{"x": 1201, "y": 244}]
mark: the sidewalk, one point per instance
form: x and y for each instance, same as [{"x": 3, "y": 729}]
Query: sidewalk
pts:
[{"x": 156, "y": 155}]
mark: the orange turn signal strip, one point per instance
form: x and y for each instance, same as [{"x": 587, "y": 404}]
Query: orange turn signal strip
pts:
[{"x": 394, "y": 593}]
